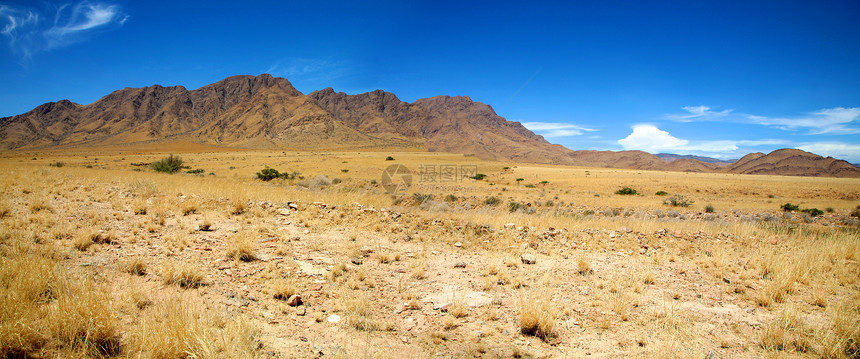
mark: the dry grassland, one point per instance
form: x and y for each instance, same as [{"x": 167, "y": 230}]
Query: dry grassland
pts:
[{"x": 101, "y": 258}]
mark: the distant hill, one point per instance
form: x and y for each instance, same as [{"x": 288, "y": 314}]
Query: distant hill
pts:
[
  {"x": 669, "y": 157},
  {"x": 266, "y": 112},
  {"x": 792, "y": 162}
]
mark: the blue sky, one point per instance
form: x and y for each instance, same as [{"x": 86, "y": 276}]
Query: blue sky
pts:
[{"x": 714, "y": 78}]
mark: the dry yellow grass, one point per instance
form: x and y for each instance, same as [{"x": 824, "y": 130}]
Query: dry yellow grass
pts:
[{"x": 625, "y": 275}]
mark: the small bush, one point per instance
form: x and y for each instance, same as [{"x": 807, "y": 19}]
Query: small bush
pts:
[
  {"x": 788, "y": 207},
  {"x": 514, "y": 206},
  {"x": 544, "y": 182},
  {"x": 57, "y": 164},
  {"x": 195, "y": 171},
  {"x": 478, "y": 176},
  {"x": 492, "y": 201},
  {"x": 242, "y": 248},
  {"x": 520, "y": 179},
  {"x": 709, "y": 209},
  {"x": 170, "y": 164},
  {"x": 530, "y": 186},
  {"x": 815, "y": 212},
  {"x": 389, "y": 158},
  {"x": 662, "y": 193},
  {"x": 450, "y": 198},
  {"x": 626, "y": 191},
  {"x": 855, "y": 213},
  {"x": 344, "y": 170},
  {"x": 268, "y": 174},
  {"x": 420, "y": 198},
  {"x": 184, "y": 275},
  {"x": 678, "y": 201},
  {"x": 336, "y": 181}
]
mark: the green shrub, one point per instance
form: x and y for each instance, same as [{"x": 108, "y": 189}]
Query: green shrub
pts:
[
  {"x": 336, "y": 181},
  {"x": 344, "y": 170},
  {"x": 389, "y": 158},
  {"x": 450, "y": 198},
  {"x": 544, "y": 182},
  {"x": 492, "y": 201},
  {"x": 530, "y": 186},
  {"x": 520, "y": 179},
  {"x": 626, "y": 191},
  {"x": 678, "y": 201},
  {"x": 195, "y": 171},
  {"x": 506, "y": 168},
  {"x": 478, "y": 176},
  {"x": 709, "y": 209},
  {"x": 815, "y": 212},
  {"x": 268, "y": 174},
  {"x": 788, "y": 207},
  {"x": 514, "y": 206},
  {"x": 662, "y": 193},
  {"x": 169, "y": 164},
  {"x": 57, "y": 164}
]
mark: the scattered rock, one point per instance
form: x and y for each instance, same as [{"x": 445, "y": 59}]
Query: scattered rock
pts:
[
  {"x": 301, "y": 311},
  {"x": 293, "y": 206},
  {"x": 528, "y": 258},
  {"x": 458, "y": 244},
  {"x": 357, "y": 261},
  {"x": 510, "y": 225},
  {"x": 294, "y": 300},
  {"x": 773, "y": 241},
  {"x": 366, "y": 251},
  {"x": 334, "y": 318},
  {"x": 460, "y": 265}
]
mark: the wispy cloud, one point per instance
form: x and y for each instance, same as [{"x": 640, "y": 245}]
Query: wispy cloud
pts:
[
  {"x": 838, "y": 121},
  {"x": 831, "y": 121},
  {"x": 651, "y": 139},
  {"x": 32, "y": 30},
  {"x": 310, "y": 70},
  {"x": 698, "y": 113},
  {"x": 556, "y": 129},
  {"x": 844, "y": 151}
]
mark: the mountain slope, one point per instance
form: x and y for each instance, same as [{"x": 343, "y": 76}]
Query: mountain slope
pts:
[{"x": 268, "y": 112}]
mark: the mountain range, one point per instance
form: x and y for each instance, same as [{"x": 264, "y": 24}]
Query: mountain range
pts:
[{"x": 266, "y": 112}]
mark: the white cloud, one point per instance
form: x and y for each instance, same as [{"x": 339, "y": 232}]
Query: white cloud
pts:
[
  {"x": 833, "y": 121},
  {"x": 28, "y": 33},
  {"x": 842, "y": 151},
  {"x": 651, "y": 139},
  {"x": 556, "y": 129},
  {"x": 837, "y": 120}
]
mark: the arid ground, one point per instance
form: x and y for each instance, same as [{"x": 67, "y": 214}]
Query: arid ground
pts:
[{"x": 100, "y": 256}]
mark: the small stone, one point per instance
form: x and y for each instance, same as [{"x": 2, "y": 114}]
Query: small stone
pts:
[
  {"x": 509, "y": 225},
  {"x": 357, "y": 261},
  {"x": 293, "y": 206},
  {"x": 460, "y": 265},
  {"x": 366, "y": 251},
  {"x": 773, "y": 241},
  {"x": 334, "y": 318},
  {"x": 458, "y": 244},
  {"x": 528, "y": 258},
  {"x": 301, "y": 311},
  {"x": 294, "y": 300}
]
